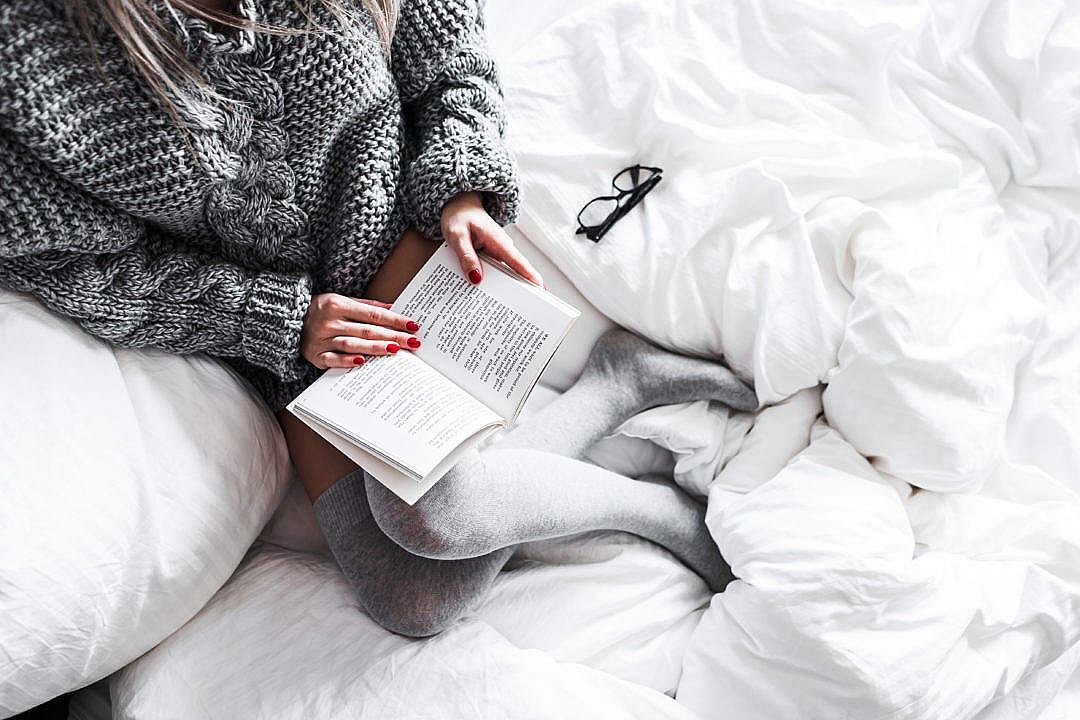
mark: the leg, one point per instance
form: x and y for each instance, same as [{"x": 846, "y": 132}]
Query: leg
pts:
[
  {"x": 624, "y": 375},
  {"x": 517, "y": 492},
  {"x": 404, "y": 593},
  {"x": 506, "y": 497}
]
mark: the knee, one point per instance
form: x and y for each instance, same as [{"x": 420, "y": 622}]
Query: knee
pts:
[
  {"x": 411, "y": 617},
  {"x": 443, "y": 524}
]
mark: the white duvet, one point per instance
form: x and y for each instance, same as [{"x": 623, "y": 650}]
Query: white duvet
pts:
[{"x": 883, "y": 197}]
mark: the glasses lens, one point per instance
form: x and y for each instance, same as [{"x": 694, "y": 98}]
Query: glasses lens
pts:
[
  {"x": 597, "y": 211},
  {"x": 632, "y": 177}
]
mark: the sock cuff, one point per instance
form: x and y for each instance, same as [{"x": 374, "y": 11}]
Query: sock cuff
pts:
[{"x": 343, "y": 504}]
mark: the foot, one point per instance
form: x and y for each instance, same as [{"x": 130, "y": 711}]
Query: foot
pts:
[
  {"x": 657, "y": 377},
  {"x": 710, "y": 565},
  {"x": 690, "y": 541}
]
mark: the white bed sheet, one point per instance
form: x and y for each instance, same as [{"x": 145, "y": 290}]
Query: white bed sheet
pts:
[{"x": 285, "y": 636}]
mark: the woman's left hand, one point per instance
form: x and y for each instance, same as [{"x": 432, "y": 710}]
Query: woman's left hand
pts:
[{"x": 467, "y": 226}]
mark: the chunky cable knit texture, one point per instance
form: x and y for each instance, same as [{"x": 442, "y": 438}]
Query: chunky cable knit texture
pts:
[{"x": 214, "y": 240}]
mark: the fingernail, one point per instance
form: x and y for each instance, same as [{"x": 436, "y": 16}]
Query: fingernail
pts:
[
  {"x": 412, "y": 326},
  {"x": 474, "y": 277},
  {"x": 358, "y": 360},
  {"x": 392, "y": 348},
  {"x": 413, "y": 342}
]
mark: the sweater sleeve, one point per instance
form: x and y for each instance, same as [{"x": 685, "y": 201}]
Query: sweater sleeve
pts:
[
  {"x": 453, "y": 101},
  {"x": 128, "y": 283}
]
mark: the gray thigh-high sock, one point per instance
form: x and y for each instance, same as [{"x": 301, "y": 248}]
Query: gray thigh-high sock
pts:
[
  {"x": 530, "y": 485},
  {"x": 404, "y": 593}
]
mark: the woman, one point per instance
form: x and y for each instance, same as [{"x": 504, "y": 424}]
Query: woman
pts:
[{"x": 200, "y": 176}]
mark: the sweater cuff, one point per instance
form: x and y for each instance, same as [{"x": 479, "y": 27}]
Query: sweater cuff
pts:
[
  {"x": 273, "y": 319},
  {"x": 455, "y": 164}
]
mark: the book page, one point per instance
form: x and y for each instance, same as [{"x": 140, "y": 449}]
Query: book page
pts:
[
  {"x": 492, "y": 339},
  {"x": 401, "y": 484},
  {"x": 397, "y": 407}
]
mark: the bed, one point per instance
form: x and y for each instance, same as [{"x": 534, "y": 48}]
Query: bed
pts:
[{"x": 870, "y": 210}]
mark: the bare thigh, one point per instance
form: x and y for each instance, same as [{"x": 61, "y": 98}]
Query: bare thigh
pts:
[{"x": 317, "y": 462}]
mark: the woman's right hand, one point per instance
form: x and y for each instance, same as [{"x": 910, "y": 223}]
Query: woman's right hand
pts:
[{"x": 339, "y": 331}]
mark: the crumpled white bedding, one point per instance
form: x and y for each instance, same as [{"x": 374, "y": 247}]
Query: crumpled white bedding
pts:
[
  {"x": 883, "y": 197},
  {"x": 600, "y": 621},
  {"x": 595, "y": 624}
]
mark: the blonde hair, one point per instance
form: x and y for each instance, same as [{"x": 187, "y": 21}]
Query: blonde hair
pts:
[{"x": 169, "y": 73}]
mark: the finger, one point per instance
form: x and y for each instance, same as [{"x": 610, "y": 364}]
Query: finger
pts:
[
  {"x": 357, "y": 311},
  {"x": 497, "y": 244},
  {"x": 338, "y": 360},
  {"x": 375, "y": 333},
  {"x": 356, "y": 346},
  {"x": 457, "y": 235},
  {"x": 376, "y": 303}
]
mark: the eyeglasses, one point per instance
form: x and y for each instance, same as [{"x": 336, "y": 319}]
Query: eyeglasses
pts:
[{"x": 631, "y": 185}]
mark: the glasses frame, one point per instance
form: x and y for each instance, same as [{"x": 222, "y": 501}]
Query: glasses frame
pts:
[{"x": 635, "y": 195}]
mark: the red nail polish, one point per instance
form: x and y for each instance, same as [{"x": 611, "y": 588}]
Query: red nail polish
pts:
[
  {"x": 413, "y": 342},
  {"x": 474, "y": 277},
  {"x": 412, "y": 326},
  {"x": 358, "y": 360},
  {"x": 392, "y": 348}
]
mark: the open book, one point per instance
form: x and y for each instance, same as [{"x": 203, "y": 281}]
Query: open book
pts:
[{"x": 406, "y": 418}]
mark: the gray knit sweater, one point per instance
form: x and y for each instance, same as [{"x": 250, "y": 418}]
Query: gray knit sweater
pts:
[{"x": 215, "y": 244}]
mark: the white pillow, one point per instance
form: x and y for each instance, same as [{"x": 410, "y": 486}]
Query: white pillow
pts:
[{"x": 133, "y": 483}]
